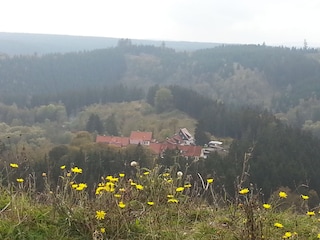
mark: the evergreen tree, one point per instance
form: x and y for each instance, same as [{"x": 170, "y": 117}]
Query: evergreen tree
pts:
[
  {"x": 200, "y": 136},
  {"x": 94, "y": 124},
  {"x": 163, "y": 100},
  {"x": 111, "y": 126},
  {"x": 152, "y": 94}
]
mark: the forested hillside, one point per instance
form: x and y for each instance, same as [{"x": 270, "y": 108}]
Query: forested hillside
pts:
[
  {"x": 271, "y": 77},
  {"x": 263, "y": 98}
]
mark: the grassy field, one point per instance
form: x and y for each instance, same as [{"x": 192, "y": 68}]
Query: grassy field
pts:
[{"x": 149, "y": 204}]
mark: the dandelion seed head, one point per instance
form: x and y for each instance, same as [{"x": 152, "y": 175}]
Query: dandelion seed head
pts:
[
  {"x": 179, "y": 174},
  {"x": 133, "y": 164}
]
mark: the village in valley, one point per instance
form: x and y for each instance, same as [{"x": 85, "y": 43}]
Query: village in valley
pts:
[{"x": 182, "y": 141}]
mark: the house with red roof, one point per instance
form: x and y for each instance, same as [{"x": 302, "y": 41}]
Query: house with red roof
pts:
[
  {"x": 191, "y": 151},
  {"x": 143, "y": 138},
  {"x": 183, "y": 141},
  {"x": 183, "y": 137}
]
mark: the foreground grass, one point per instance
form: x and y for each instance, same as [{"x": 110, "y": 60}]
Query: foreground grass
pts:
[{"x": 151, "y": 204}]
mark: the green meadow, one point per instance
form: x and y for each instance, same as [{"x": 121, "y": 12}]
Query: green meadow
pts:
[{"x": 158, "y": 203}]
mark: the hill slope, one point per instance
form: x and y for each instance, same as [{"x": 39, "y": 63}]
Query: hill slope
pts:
[{"x": 256, "y": 75}]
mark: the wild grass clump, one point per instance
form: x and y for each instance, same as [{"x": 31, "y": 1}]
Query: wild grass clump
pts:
[{"x": 146, "y": 203}]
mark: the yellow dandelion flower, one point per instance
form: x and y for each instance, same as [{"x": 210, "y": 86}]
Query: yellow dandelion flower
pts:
[
  {"x": 20, "y": 180},
  {"x": 109, "y": 177},
  {"x": 74, "y": 185},
  {"x": 311, "y": 213},
  {"x": 81, "y": 186},
  {"x": 266, "y": 206},
  {"x": 287, "y": 235},
  {"x": 121, "y": 175},
  {"x": 170, "y": 196},
  {"x": 121, "y": 205},
  {"x": 133, "y": 184},
  {"x": 76, "y": 170},
  {"x": 114, "y": 179},
  {"x": 102, "y": 230},
  {"x": 117, "y": 195},
  {"x": 100, "y": 214},
  {"x": 166, "y": 174},
  {"x": 139, "y": 187},
  {"x": 318, "y": 236},
  {"x": 244, "y": 191},
  {"x": 99, "y": 190},
  {"x": 173, "y": 200},
  {"x": 169, "y": 180},
  {"x": 278, "y": 225},
  {"x": 150, "y": 203},
  {"x": 187, "y": 185},
  {"x": 179, "y": 189},
  {"x": 14, "y": 165},
  {"x": 63, "y": 167},
  {"x": 146, "y": 173},
  {"x": 283, "y": 194},
  {"x": 210, "y": 180},
  {"x": 304, "y": 197},
  {"x": 109, "y": 187}
]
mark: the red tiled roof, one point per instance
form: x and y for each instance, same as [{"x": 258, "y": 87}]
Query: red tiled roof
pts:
[
  {"x": 176, "y": 139},
  {"x": 143, "y": 136},
  {"x": 113, "y": 140},
  {"x": 186, "y": 150},
  {"x": 157, "y": 148},
  {"x": 190, "y": 150}
]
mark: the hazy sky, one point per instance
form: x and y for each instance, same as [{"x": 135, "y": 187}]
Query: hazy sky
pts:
[{"x": 275, "y": 22}]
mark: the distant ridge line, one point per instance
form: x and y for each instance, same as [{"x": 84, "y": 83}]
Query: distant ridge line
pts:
[{"x": 36, "y": 43}]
